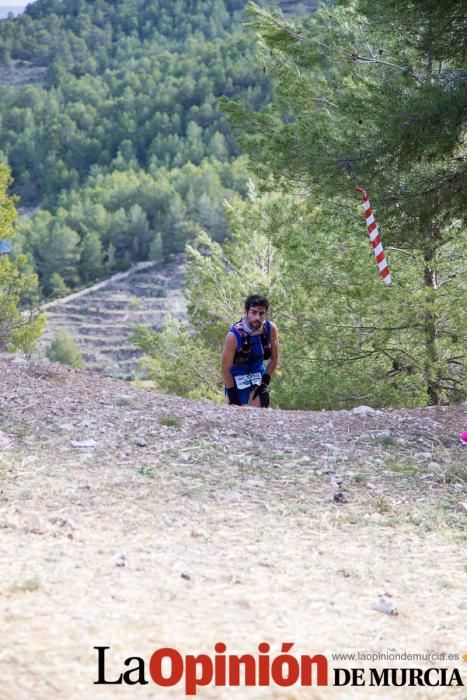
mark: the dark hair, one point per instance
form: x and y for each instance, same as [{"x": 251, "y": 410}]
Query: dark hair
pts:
[{"x": 256, "y": 300}]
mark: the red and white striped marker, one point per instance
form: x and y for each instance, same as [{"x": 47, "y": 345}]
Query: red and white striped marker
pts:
[{"x": 375, "y": 239}]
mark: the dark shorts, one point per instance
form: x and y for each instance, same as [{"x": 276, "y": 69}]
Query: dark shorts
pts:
[{"x": 244, "y": 394}]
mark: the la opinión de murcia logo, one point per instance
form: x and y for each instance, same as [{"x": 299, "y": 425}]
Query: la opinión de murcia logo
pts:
[{"x": 167, "y": 667}]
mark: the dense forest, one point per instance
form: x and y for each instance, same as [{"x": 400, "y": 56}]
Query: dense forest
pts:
[{"x": 128, "y": 104}]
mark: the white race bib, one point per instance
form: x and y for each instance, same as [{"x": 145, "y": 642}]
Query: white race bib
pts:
[{"x": 243, "y": 381}]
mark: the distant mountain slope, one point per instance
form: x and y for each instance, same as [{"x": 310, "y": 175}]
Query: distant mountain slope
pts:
[{"x": 100, "y": 94}]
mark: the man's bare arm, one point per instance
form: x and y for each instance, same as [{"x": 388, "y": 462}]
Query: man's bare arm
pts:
[
  {"x": 274, "y": 361},
  {"x": 228, "y": 354}
]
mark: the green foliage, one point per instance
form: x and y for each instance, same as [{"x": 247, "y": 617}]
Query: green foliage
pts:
[
  {"x": 344, "y": 114},
  {"x": 17, "y": 284},
  {"x": 130, "y": 158},
  {"x": 121, "y": 95},
  {"x": 178, "y": 363},
  {"x": 28, "y": 585},
  {"x": 147, "y": 472},
  {"x": 221, "y": 276},
  {"x": 170, "y": 421},
  {"x": 345, "y": 339},
  {"x": 374, "y": 100},
  {"x": 63, "y": 349},
  {"x": 129, "y": 101},
  {"x": 57, "y": 285},
  {"x": 91, "y": 256},
  {"x": 129, "y": 216},
  {"x": 155, "y": 248}
]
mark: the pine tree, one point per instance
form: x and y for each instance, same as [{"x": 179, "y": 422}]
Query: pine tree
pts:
[
  {"x": 63, "y": 348},
  {"x": 91, "y": 252},
  {"x": 373, "y": 95},
  {"x": 17, "y": 283}
]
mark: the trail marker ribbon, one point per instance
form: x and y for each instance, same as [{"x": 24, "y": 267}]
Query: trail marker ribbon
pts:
[{"x": 375, "y": 239}]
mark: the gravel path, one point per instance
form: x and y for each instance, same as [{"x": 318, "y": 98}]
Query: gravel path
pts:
[{"x": 137, "y": 521}]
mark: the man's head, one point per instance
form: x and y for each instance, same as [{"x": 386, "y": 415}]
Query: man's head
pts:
[{"x": 256, "y": 307}]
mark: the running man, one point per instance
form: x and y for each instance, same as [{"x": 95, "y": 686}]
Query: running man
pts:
[{"x": 250, "y": 342}]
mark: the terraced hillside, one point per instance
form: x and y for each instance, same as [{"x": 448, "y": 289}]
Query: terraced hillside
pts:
[{"x": 101, "y": 318}]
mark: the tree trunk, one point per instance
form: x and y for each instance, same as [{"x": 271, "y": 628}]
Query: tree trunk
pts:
[{"x": 432, "y": 367}]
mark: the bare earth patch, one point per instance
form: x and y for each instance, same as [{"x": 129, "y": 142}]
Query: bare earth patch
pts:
[
  {"x": 137, "y": 521},
  {"x": 19, "y": 73}
]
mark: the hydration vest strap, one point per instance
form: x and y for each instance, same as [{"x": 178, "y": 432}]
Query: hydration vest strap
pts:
[
  {"x": 238, "y": 333},
  {"x": 244, "y": 342}
]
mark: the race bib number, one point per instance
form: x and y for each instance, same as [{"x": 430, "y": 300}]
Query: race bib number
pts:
[{"x": 243, "y": 381}]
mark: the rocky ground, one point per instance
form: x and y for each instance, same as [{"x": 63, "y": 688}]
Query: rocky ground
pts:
[{"x": 137, "y": 521}]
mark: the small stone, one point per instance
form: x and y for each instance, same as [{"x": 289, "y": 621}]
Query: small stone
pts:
[
  {"x": 433, "y": 465},
  {"x": 186, "y": 577},
  {"x": 83, "y": 443},
  {"x": 339, "y": 498},
  {"x": 363, "y": 410},
  {"x": 4, "y": 440},
  {"x": 344, "y": 573},
  {"x": 383, "y": 434},
  {"x": 140, "y": 442},
  {"x": 422, "y": 455},
  {"x": 461, "y": 507},
  {"x": 385, "y": 606},
  {"x": 34, "y": 523},
  {"x": 7, "y": 525},
  {"x": 121, "y": 561}
]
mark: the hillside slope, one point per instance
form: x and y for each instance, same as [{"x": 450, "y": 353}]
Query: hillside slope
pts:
[
  {"x": 137, "y": 521},
  {"x": 101, "y": 319}
]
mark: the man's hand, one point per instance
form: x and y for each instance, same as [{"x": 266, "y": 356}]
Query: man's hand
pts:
[
  {"x": 232, "y": 395},
  {"x": 262, "y": 390}
]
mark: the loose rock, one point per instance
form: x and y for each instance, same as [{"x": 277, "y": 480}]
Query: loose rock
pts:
[
  {"x": 83, "y": 443},
  {"x": 385, "y": 606}
]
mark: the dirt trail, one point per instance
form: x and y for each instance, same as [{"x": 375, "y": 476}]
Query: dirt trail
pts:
[{"x": 184, "y": 523}]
